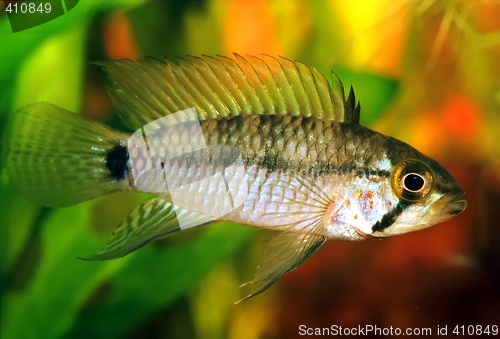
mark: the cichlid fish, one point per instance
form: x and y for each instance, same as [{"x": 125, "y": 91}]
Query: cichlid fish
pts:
[{"x": 268, "y": 143}]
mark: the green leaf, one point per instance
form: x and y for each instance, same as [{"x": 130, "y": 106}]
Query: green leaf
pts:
[
  {"x": 17, "y": 47},
  {"x": 48, "y": 306},
  {"x": 154, "y": 278},
  {"x": 161, "y": 37},
  {"x": 17, "y": 216},
  {"x": 43, "y": 77}
]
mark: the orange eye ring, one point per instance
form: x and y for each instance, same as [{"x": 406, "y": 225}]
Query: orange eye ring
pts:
[{"x": 412, "y": 180}]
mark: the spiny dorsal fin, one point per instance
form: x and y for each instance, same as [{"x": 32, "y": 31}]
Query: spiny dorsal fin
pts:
[
  {"x": 351, "y": 108},
  {"x": 148, "y": 89}
]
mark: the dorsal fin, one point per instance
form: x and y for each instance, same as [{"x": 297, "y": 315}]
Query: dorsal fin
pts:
[{"x": 222, "y": 87}]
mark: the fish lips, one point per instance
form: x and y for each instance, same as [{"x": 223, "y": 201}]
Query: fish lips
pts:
[{"x": 456, "y": 205}]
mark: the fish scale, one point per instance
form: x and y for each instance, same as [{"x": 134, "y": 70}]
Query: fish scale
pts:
[
  {"x": 273, "y": 144},
  {"x": 265, "y": 146},
  {"x": 265, "y": 155}
]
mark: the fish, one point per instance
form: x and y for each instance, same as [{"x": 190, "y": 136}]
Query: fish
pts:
[{"x": 259, "y": 141}]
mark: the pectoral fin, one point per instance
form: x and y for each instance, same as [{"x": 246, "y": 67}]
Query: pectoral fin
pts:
[
  {"x": 154, "y": 219},
  {"x": 284, "y": 253}
]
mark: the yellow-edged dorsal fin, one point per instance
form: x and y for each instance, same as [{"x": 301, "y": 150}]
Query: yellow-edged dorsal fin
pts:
[{"x": 223, "y": 87}]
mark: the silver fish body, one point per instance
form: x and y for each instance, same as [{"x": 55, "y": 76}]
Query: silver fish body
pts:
[
  {"x": 294, "y": 168},
  {"x": 272, "y": 145}
]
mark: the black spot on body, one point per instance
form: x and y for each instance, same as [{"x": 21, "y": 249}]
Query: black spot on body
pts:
[{"x": 117, "y": 162}]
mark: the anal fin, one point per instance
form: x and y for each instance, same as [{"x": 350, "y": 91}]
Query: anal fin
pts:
[{"x": 154, "y": 219}]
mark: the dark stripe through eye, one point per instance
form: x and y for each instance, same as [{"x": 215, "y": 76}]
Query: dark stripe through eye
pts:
[{"x": 390, "y": 217}]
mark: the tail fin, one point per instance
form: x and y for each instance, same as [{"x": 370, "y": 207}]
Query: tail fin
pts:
[{"x": 58, "y": 158}]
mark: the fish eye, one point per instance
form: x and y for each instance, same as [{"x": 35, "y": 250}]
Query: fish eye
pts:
[{"x": 412, "y": 180}]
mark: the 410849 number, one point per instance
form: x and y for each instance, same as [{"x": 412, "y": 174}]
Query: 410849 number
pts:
[
  {"x": 475, "y": 330},
  {"x": 30, "y": 7}
]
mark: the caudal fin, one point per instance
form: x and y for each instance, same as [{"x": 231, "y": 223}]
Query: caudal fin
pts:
[{"x": 58, "y": 158}]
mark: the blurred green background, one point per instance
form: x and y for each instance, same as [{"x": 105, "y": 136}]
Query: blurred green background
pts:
[{"x": 426, "y": 72}]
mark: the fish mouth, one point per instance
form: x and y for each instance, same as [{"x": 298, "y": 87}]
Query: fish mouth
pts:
[{"x": 457, "y": 205}]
